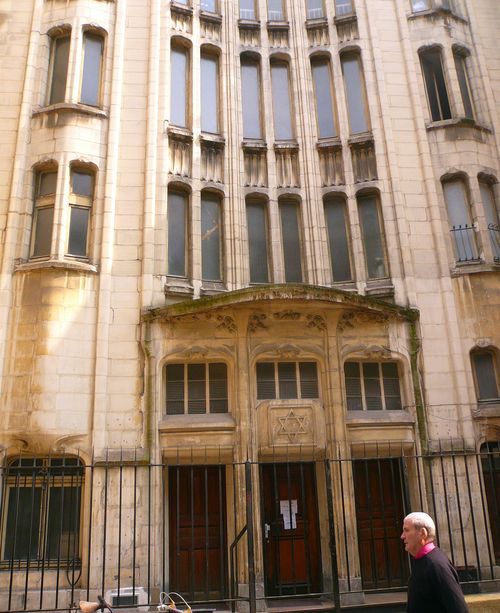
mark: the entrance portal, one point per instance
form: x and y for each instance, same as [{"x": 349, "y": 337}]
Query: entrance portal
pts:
[{"x": 290, "y": 529}]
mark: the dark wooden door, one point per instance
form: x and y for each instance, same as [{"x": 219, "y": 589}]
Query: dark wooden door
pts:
[
  {"x": 290, "y": 529},
  {"x": 380, "y": 510},
  {"x": 490, "y": 458},
  {"x": 197, "y": 531}
]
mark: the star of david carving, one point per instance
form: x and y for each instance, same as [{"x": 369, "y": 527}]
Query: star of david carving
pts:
[{"x": 292, "y": 425}]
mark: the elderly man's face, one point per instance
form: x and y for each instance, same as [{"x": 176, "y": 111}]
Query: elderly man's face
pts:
[{"x": 412, "y": 537}]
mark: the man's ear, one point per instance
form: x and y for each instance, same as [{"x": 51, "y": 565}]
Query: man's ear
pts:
[{"x": 425, "y": 533}]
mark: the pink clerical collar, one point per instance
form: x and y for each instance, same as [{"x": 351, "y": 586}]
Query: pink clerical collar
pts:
[{"x": 423, "y": 551}]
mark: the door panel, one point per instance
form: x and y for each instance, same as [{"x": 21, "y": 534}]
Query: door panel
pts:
[
  {"x": 197, "y": 531},
  {"x": 380, "y": 510},
  {"x": 290, "y": 529}
]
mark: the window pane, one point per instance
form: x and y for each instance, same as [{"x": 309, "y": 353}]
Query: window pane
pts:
[
  {"x": 343, "y": 7},
  {"x": 314, "y": 9},
  {"x": 210, "y": 238},
  {"x": 177, "y": 222},
  {"x": 23, "y": 522},
  {"x": 281, "y": 101},
  {"x": 209, "y": 94},
  {"x": 353, "y": 386},
  {"x": 491, "y": 214},
  {"x": 335, "y": 213},
  {"x": 355, "y": 94},
  {"x": 178, "y": 89},
  {"x": 458, "y": 215},
  {"x": 175, "y": 389},
  {"x": 247, "y": 9},
  {"x": 324, "y": 100},
  {"x": 60, "y": 55},
  {"x": 371, "y": 381},
  {"x": 308, "y": 380},
  {"x": 43, "y": 231},
  {"x": 372, "y": 237},
  {"x": 485, "y": 375},
  {"x": 82, "y": 183},
  {"x": 464, "y": 85},
  {"x": 91, "y": 78},
  {"x": 63, "y": 523},
  {"x": 435, "y": 85},
  {"x": 266, "y": 388},
  {"x": 250, "y": 85},
  {"x": 392, "y": 392},
  {"x": 420, "y": 5},
  {"x": 257, "y": 242},
  {"x": 78, "y": 231},
  {"x": 209, "y": 5},
  {"x": 275, "y": 10},
  {"x": 196, "y": 389},
  {"x": 47, "y": 183},
  {"x": 218, "y": 388},
  {"x": 287, "y": 379},
  {"x": 291, "y": 242}
]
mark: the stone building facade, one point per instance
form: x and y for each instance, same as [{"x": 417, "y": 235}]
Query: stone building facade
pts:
[{"x": 239, "y": 232}]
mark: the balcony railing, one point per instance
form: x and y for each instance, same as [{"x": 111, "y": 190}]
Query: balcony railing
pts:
[
  {"x": 494, "y": 230},
  {"x": 465, "y": 243}
]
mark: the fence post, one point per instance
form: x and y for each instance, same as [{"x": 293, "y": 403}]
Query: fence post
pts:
[
  {"x": 333, "y": 543},
  {"x": 250, "y": 537}
]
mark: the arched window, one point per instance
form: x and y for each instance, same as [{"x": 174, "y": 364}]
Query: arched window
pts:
[
  {"x": 491, "y": 215},
  {"x": 282, "y": 103},
  {"x": 93, "y": 47},
  {"x": 43, "y": 213},
  {"x": 258, "y": 248},
  {"x": 459, "y": 216},
  {"x": 324, "y": 98},
  {"x": 209, "y": 92},
  {"x": 373, "y": 236},
  {"x": 179, "y": 85},
  {"x": 338, "y": 237},
  {"x": 435, "y": 84},
  {"x": 177, "y": 239},
  {"x": 354, "y": 84},
  {"x": 58, "y": 68},
  {"x": 251, "y": 97},
  {"x": 291, "y": 239},
  {"x": 80, "y": 202},
  {"x": 211, "y": 235},
  {"x": 484, "y": 364}
]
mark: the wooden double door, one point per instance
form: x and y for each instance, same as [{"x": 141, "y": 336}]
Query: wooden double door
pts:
[{"x": 290, "y": 529}]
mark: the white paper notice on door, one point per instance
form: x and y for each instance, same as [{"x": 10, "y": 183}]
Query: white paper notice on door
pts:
[{"x": 288, "y": 509}]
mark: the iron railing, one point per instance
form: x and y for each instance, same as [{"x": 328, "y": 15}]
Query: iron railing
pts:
[
  {"x": 226, "y": 534},
  {"x": 494, "y": 230},
  {"x": 465, "y": 243}
]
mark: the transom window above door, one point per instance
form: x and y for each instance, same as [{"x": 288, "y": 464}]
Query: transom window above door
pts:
[
  {"x": 286, "y": 380},
  {"x": 196, "y": 388}
]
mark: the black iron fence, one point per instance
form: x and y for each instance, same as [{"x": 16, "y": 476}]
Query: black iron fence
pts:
[{"x": 227, "y": 534}]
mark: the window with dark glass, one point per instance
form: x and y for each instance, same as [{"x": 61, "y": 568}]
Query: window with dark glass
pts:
[
  {"x": 372, "y": 236},
  {"x": 491, "y": 215},
  {"x": 209, "y": 101},
  {"x": 80, "y": 204},
  {"x": 275, "y": 10},
  {"x": 463, "y": 81},
  {"x": 286, "y": 380},
  {"x": 211, "y": 237},
  {"x": 257, "y": 241},
  {"x": 355, "y": 93},
  {"x": 372, "y": 386},
  {"x": 251, "y": 98},
  {"x": 323, "y": 94},
  {"x": 315, "y": 9},
  {"x": 490, "y": 460},
  {"x": 42, "y": 510},
  {"x": 59, "y": 57},
  {"x": 43, "y": 214},
  {"x": 196, "y": 389},
  {"x": 247, "y": 9},
  {"x": 486, "y": 375},
  {"x": 281, "y": 101},
  {"x": 177, "y": 223},
  {"x": 290, "y": 237},
  {"x": 435, "y": 84},
  {"x": 338, "y": 238},
  {"x": 179, "y": 74},
  {"x": 93, "y": 46},
  {"x": 462, "y": 230}
]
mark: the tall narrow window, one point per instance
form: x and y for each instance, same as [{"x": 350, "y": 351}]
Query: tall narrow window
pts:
[
  {"x": 491, "y": 214},
  {"x": 179, "y": 66},
  {"x": 355, "y": 93},
  {"x": 324, "y": 97},
  {"x": 372, "y": 386},
  {"x": 210, "y": 237},
  {"x": 435, "y": 85},
  {"x": 290, "y": 236},
  {"x": 315, "y": 9},
  {"x": 80, "y": 203},
  {"x": 485, "y": 375},
  {"x": 209, "y": 5},
  {"x": 257, "y": 242},
  {"x": 250, "y": 95},
  {"x": 209, "y": 93},
  {"x": 42, "y": 510},
  {"x": 275, "y": 10},
  {"x": 92, "y": 62},
  {"x": 461, "y": 227},
  {"x": 336, "y": 221},
  {"x": 177, "y": 216},
  {"x": 43, "y": 214},
  {"x": 59, "y": 69},
  {"x": 247, "y": 9},
  {"x": 343, "y": 7},
  {"x": 373, "y": 241},
  {"x": 463, "y": 81},
  {"x": 281, "y": 101}
]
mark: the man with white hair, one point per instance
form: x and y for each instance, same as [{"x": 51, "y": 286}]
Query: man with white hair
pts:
[{"x": 433, "y": 586}]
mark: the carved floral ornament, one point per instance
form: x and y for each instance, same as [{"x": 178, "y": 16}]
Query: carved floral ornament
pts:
[
  {"x": 258, "y": 320},
  {"x": 352, "y": 319},
  {"x": 223, "y": 322},
  {"x": 483, "y": 342}
]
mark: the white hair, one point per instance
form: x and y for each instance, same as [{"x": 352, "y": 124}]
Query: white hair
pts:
[{"x": 422, "y": 520}]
